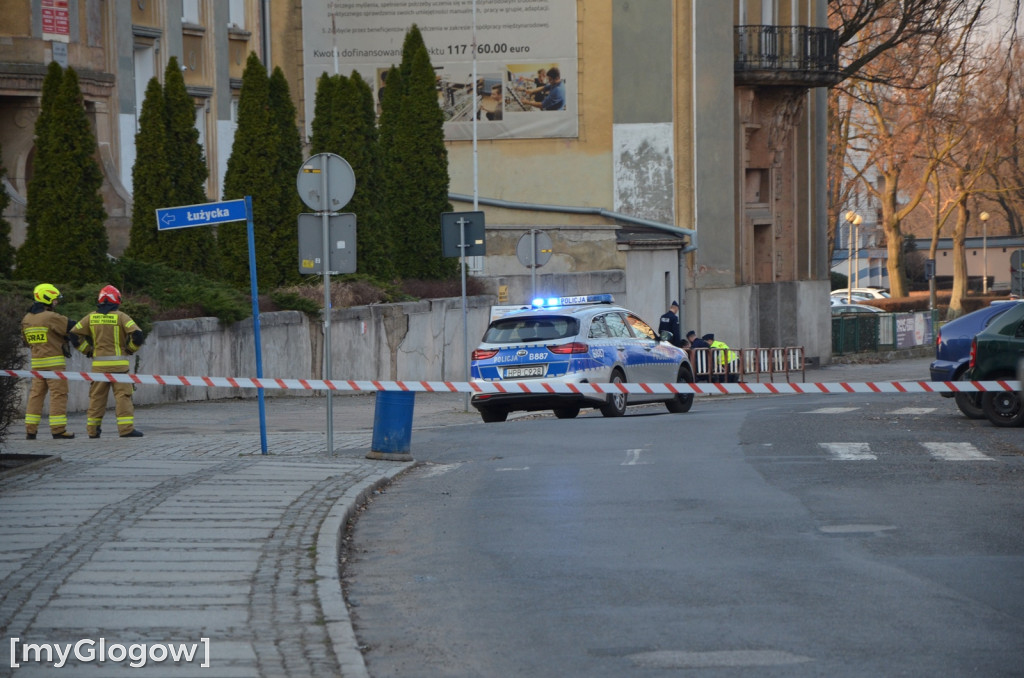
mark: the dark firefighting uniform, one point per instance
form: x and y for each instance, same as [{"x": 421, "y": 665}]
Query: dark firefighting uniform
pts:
[
  {"x": 110, "y": 336},
  {"x": 45, "y": 332}
]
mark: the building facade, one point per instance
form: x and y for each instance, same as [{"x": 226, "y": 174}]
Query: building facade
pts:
[
  {"x": 116, "y": 48},
  {"x": 687, "y": 153}
]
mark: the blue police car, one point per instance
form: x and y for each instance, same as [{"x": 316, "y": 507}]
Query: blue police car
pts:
[{"x": 575, "y": 340}]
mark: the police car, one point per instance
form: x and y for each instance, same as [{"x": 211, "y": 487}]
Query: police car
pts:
[{"x": 575, "y": 340}]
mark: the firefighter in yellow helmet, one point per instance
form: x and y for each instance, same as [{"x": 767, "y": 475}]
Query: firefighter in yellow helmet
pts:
[
  {"x": 109, "y": 336},
  {"x": 47, "y": 334}
]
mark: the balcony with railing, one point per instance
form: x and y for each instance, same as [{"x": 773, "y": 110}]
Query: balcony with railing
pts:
[{"x": 792, "y": 56}]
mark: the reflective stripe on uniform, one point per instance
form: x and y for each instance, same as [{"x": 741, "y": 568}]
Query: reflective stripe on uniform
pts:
[
  {"x": 33, "y": 418},
  {"x": 50, "y": 363},
  {"x": 113, "y": 362},
  {"x": 58, "y": 420},
  {"x": 125, "y": 421}
]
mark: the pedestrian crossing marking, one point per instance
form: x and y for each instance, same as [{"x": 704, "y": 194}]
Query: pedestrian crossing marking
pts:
[
  {"x": 939, "y": 451},
  {"x": 849, "y": 451},
  {"x": 956, "y": 452},
  {"x": 845, "y": 410}
]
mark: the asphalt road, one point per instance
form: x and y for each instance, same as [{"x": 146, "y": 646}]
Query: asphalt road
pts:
[{"x": 776, "y": 536}]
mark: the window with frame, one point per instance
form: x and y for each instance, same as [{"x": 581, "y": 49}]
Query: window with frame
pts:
[
  {"x": 617, "y": 326},
  {"x": 236, "y": 13},
  {"x": 190, "y": 11},
  {"x": 640, "y": 328}
]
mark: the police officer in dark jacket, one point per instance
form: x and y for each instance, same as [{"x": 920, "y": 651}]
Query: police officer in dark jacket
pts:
[
  {"x": 670, "y": 323},
  {"x": 695, "y": 341}
]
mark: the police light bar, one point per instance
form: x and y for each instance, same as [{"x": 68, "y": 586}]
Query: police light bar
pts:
[{"x": 554, "y": 302}]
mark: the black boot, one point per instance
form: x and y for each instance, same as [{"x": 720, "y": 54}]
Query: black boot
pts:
[
  {"x": 135, "y": 433},
  {"x": 63, "y": 435}
]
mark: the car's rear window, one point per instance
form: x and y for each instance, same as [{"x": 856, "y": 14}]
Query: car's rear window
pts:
[{"x": 514, "y": 330}]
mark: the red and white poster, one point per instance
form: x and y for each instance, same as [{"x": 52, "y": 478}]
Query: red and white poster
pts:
[{"x": 56, "y": 24}]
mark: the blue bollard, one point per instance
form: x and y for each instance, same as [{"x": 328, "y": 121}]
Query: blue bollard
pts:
[{"x": 392, "y": 426}]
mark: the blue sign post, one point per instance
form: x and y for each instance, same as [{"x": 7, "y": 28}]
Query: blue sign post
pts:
[{"x": 207, "y": 214}]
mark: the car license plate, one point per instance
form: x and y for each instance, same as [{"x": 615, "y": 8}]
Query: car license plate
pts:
[{"x": 529, "y": 371}]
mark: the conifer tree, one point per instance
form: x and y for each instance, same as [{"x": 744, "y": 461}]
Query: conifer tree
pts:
[
  {"x": 289, "y": 160},
  {"x": 251, "y": 171},
  {"x": 344, "y": 124},
  {"x": 71, "y": 241},
  {"x": 32, "y": 249},
  {"x": 6, "y": 248},
  {"x": 324, "y": 132},
  {"x": 187, "y": 249},
  {"x": 150, "y": 187},
  {"x": 415, "y": 164},
  {"x": 375, "y": 239}
]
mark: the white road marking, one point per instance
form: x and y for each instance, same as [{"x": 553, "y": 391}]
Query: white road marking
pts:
[
  {"x": 914, "y": 410},
  {"x": 832, "y": 410},
  {"x": 633, "y": 458},
  {"x": 956, "y": 452},
  {"x": 677, "y": 659},
  {"x": 855, "y": 529},
  {"x": 520, "y": 468},
  {"x": 848, "y": 451},
  {"x": 439, "y": 469}
]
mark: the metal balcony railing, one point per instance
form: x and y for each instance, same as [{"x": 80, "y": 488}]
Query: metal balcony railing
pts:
[{"x": 787, "y": 55}]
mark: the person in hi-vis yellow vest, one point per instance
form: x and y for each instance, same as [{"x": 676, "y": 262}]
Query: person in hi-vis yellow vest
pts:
[
  {"x": 47, "y": 333},
  {"x": 724, "y": 357},
  {"x": 109, "y": 336}
]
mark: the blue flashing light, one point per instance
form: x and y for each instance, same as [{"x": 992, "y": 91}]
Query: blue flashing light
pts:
[{"x": 554, "y": 302}]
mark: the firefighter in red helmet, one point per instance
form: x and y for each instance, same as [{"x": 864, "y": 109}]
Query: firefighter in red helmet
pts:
[
  {"x": 47, "y": 333},
  {"x": 109, "y": 336}
]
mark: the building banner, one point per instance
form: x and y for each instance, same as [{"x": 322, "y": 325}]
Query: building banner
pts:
[
  {"x": 56, "y": 24},
  {"x": 913, "y": 329},
  {"x": 526, "y": 58}
]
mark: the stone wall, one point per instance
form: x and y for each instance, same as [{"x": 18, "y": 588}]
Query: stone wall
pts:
[{"x": 419, "y": 340}]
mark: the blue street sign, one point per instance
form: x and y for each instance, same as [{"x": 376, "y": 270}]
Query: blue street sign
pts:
[{"x": 207, "y": 214}]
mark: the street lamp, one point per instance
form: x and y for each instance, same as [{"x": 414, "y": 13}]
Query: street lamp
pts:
[
  {"x": 984, "y": 252},
  {"x": 854, "y": 220}
]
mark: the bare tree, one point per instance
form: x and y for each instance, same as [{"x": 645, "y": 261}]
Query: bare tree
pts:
[
  {"x": 1002, "y": 90},
  {"x": 902, "y": 58},
  {"x": 868, "y": 29}
]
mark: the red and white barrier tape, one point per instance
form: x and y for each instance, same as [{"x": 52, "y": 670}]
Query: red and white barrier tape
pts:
[{"x": 782, "y": 388}]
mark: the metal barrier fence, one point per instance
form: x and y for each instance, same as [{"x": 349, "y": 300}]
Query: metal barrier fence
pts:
[
  {"x": 870, "y": 332},
  {"x": 748, "y": 364}
]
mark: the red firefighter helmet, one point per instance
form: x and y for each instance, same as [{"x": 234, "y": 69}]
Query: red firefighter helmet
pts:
[{"x": 110, "y": 295}]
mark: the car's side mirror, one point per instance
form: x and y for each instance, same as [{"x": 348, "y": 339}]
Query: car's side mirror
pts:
[{"x": 666, "y": 336}]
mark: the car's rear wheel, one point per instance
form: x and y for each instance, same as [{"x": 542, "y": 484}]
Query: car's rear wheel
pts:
[
  {"x": 684, "y": 401},
  {"x": 970, "y": 404},
  {"x": 615, "y": 406},
  {"x": 1004, "y": 408},
  {"x": 493, "y": 415},
  {"x": 566, "y": 412}
]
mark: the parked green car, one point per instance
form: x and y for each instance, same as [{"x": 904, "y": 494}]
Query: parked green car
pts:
[{"x": 995, "y": 354}]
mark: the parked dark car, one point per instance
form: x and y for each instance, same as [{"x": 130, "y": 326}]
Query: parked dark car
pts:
[
  {"x": 953, "y": 353},
  {"x": 995, "y": 354}
]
